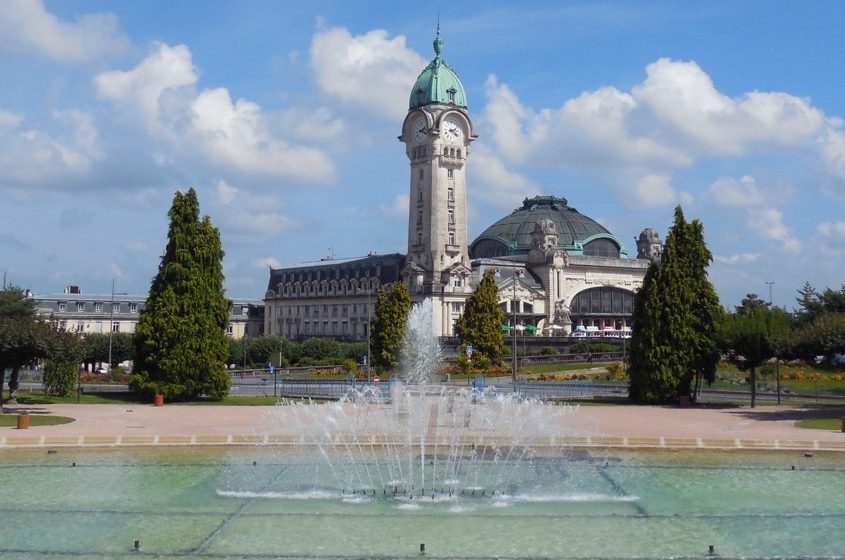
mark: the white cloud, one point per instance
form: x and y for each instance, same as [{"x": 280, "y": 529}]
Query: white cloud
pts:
[
  {"x": 372, "y": 71},
  {"x": 673, "y": 119},
  {"x": 9, "y": 119},
  {"x": 737, "y": 259},
  {"x": 26, "y": 26},
  {"x": 166, "y": 68},
  {"x": 502, "y": 188},
  {"x": 234, "y": 133},
  {"x": 768, "y": 223},
  {"x": 266, "y": 262},
  {"x": 655, "y": 190},
  {"x": 830, "y": 238},
  {"x": 209, "y": 125},
  {"x": 317, "y": 125},
  {"x": 733, "y": 193},
  {"x": 399, "y": 207},
  {"x": 248, "y": 217}
]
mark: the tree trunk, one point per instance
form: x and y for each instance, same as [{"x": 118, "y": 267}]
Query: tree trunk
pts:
[
  {"x": 13, "y": 385},
  {"x": 2, "y": 382},
  {"x": 697, "y": 386},
  {"x": 753, "y": 386}
]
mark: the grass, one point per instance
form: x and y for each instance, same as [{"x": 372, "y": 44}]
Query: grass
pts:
[
  {"x": 558, "y": 368},
  {"x": 11, "y": 420},
  {"x": 834, "y": 424},
  {"x": 85, "y": 398}
]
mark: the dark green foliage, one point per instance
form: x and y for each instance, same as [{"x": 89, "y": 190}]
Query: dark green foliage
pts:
[
  {"x": 825, "y": 336},
  {"x": 813, "y": 304},
  {"x": 388, "y": 325},
  {"x": 750, "y": 304},
  {"x": 676, "y": 316},
  {"x": 23, "y": 337},
  {"x": 749, "y": 339},
  {"x": 595, "y": 347},
  {"x": 320, "y": 348},
  {"x": 180, "y": 341},
  {"x": 60, "y": 377},
  {"x": 481, "y": 323},
  {"x": 95, "y": 348}
]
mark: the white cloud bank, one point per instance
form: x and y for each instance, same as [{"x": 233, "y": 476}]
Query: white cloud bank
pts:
[
  {"x": 27, "y": 27},
  {"x": 234, "y": 135}
]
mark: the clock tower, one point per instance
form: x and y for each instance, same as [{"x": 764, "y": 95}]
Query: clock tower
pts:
[{"x": 437, "y": 132}]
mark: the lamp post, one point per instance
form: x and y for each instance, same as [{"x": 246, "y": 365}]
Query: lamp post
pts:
[{"x": 518, "y": 273}]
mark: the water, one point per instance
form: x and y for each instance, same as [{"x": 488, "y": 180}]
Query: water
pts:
[{"x": 214, "y": 503}]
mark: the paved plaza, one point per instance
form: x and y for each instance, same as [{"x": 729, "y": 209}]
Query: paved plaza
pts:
[{"x": 587, "y": 425}]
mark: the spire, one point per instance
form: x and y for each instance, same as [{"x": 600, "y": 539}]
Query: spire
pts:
[{"x": 438, "y": 44}]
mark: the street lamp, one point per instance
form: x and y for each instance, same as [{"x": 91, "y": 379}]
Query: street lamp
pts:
[
  {"x": 518, "y": 274},
  {"x": 777, "y": 359}
]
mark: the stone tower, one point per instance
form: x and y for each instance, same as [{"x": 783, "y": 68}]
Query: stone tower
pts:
[{"x": 437, "y": 132}]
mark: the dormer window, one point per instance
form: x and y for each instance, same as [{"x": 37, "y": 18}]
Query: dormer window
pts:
[
  {"x": 451, "y": 93},
  {"x": 420, "y": 96}
]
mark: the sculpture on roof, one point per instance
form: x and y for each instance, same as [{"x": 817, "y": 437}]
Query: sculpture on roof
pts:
[{"x": 649, "y": 245}]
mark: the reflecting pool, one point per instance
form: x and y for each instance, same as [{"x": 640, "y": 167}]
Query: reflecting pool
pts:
[{"x": 293, "y": 502}]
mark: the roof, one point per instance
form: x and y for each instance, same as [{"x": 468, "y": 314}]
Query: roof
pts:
[
  {"x": 514, "y": 231},
  {"x": 438, "y": 83}
]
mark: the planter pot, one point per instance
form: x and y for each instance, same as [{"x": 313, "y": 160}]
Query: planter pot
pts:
[
  {"x": 683, "y": 401},
  {"x": 23, "y": 421},
  {"x": 158, "y": 400}
]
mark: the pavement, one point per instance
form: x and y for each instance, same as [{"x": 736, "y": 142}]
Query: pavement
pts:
[{"x": 769, "y": 427}]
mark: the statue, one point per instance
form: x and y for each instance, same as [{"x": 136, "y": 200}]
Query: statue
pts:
[
  {"x": 562, "y": 314},
  {"x": 649, "y": 245}
]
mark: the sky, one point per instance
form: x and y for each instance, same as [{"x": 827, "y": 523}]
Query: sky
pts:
[{"x": 284, "y": 117}]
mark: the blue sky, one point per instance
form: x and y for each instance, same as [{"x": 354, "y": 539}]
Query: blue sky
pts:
[{"x": 284, "y": 117}]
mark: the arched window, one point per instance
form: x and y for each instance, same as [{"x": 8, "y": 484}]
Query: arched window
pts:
[
  {"x": 459, "y": 153},
  {"x": 603, "y": 301},
  {"x": 601, "y": 248}
]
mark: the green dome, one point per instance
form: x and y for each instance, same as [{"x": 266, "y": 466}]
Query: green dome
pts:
[
  {"x": 577, "y": 234},
  {"x": 438, "y": 83}
]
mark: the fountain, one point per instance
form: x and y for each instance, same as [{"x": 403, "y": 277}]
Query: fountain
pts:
[{"x": 417, "y": 439}]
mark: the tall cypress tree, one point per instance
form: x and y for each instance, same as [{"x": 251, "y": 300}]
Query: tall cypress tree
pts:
[
  {"x": 481, "y": 323},
  {"x": 388, "y": 325},
  {"x": 180, "y": 340},
  {"x": 676, "y": 317}
]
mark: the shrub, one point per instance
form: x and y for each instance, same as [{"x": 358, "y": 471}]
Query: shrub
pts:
[
  {"x": 59, "y": 378},
  {"x": 548, "y": 351}
]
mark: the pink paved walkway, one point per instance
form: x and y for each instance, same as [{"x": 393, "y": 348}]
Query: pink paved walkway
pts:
[{"x": 618, "y": 425}]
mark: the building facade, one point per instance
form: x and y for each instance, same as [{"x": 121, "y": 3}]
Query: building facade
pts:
[
  {"x": 557, "y": 270},
  {"x": 103, "y": 313}
]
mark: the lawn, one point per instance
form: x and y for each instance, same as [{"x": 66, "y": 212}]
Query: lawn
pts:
[
  {"x": 11, "y": 420},
  {"x": 833, "y": 424}
]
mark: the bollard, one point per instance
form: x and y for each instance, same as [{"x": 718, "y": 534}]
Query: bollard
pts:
[
  {"x": 422, "y": 549},
  {"x": 158, "y": 400},
  {"x": 137, "y": 546},
  {"x": 843, "y": 424},
  {"x": 23, "y": 420},
  {"x": 711, "y": 550}
]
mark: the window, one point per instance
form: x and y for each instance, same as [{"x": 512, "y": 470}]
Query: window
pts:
[
  {"x": 601, "y": 248},
  {"x": 419, "y": 238},
  {"x": 80, "y": 306},
  {"x": 98, "y": 307},
  {"x": 450, "y": 173},
  {"x": 457, "y": 282},
  {"x": 419, "y": 195},
  {"x": 245, "y": 310},
  {"x": 115, "y": 326},
  {"x": 451, "y": 216},
  {"x": 451, "y": 238},
  {"x": 456, "y": 307},
  {"x": 115, "y": 307},
  {"x": 420, "y": 96},
  {"x": 419, "y": 218},
  {"x": 80, "y": 327},
  {"x": 451, "y": 194},
  {"x": 421, "y": 173},
  {"x": 229, "y": 329},
  {"x": 62, "y": 306},
  {"x": 133, "y": 308},
  {"x": 451, "y": 93},
  {"x": 459, "y": 153}
]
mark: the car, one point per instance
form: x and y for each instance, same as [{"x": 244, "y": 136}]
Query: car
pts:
[{"x": 101, "y": 370}]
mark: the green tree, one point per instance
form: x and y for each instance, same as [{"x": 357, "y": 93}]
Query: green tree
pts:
[
  {"x": 481, "y": 323},
  {"x": 64, "y": 351},
  {"x": 388, "y": 325},
  {"x": 750, "y": 339},
  {"x": 22, "y": 336},
  {"x": 750, "y": 304},
  {"x": 95, "y": 348},
  {"x": 825, "y": 336},
  {"x": 180, "y": 340},
  {"x": 676, "y": 318}
]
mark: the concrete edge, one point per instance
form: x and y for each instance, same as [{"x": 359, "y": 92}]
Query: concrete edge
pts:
[{"x": 587, "y": 442}]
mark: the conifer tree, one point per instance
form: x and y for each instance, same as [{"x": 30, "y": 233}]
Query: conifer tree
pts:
[
  {"x": 482, "y": 320},
  {"x": 676, "y": 317},
  {"x": 388, "y": 325},
  {"x": 180, "y": 340}
]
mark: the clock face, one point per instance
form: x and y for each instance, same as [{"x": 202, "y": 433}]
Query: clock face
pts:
[
  {"x": 419, "y": 130},
  {"x": 452, "y": 130}
]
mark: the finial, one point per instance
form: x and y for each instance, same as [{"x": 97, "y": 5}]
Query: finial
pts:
[{"x": 438, "y": 44}]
